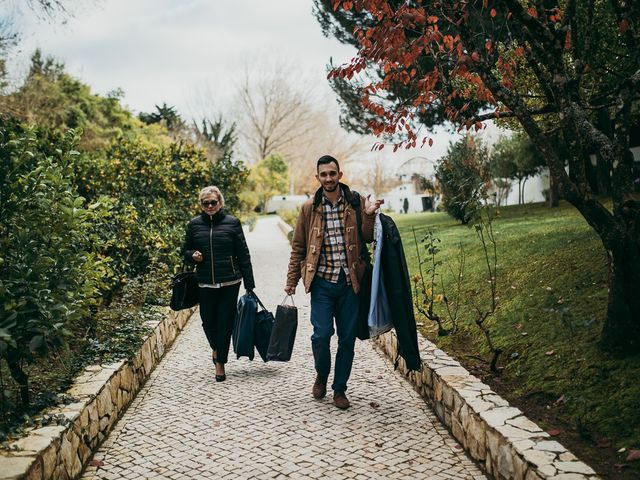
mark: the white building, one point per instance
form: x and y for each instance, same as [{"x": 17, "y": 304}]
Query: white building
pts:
[
  {"x": 284, "y": 202},
  {"x": 535, "y": 189},
  {"x": 408, "y": 194}
]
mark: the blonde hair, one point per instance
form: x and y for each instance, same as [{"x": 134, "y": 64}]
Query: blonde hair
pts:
[{"x": 211, "y": 190}]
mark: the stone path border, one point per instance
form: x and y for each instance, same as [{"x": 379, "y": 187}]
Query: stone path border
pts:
[
  {"x": 103, "y": 393},
  {"x": 509, "y": 445}
]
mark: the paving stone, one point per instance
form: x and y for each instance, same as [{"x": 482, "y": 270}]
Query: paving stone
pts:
[{"x": 263, "y": 422}]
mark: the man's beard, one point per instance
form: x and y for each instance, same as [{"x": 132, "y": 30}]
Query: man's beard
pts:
[{"x": 330, "y": 189}]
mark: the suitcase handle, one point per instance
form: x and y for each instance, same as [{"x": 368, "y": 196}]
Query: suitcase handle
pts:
[{"x": 258, "y": 300}]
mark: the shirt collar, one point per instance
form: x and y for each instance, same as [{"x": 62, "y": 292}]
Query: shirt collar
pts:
[{"x": 325, "y": 200}]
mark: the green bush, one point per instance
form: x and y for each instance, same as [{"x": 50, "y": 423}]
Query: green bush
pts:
[
  {"x": 290, "y": 216},
  {"x": 51, "y": 267},
  {"x": 152, "y": 192},
  {"x": 462, "y": 177},
  {"x": 120, "y": 330}
]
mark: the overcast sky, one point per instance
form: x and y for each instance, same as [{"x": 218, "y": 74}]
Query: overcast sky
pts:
[{"x": 173, "y": 50}]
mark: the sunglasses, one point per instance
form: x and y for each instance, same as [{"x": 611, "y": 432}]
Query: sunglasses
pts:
[{"x": 209, "y": 203}]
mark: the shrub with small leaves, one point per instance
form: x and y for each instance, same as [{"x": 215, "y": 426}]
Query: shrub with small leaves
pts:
[
  {"x": 463, "y": 178},
  {"x": 51, "y": 271}
]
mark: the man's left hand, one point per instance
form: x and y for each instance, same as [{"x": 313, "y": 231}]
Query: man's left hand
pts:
[{"x": 369, "y": 207}]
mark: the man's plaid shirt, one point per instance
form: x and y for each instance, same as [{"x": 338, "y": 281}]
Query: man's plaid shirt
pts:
[{"x": 333, "y": 254}]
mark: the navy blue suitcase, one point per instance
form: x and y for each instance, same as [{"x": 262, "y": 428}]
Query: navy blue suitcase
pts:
[{"x": 244, "y": 326}]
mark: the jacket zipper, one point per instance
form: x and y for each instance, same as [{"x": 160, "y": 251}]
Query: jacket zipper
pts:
[
  {"x": 233, "y": 265},
  {"x": 213, "y": 280}
]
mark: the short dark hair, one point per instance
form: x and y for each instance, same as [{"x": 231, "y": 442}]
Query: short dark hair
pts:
[{"x": 323, "y": 160}]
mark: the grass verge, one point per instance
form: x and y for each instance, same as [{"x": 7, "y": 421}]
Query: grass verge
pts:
[{"x": 552, "y": 289}]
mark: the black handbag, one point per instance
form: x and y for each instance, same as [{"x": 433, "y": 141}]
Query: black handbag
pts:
[
  {"x": 263, "y": 329},
  {"x": 184, "y": 290},
  {"x": 284, "y": 332}
]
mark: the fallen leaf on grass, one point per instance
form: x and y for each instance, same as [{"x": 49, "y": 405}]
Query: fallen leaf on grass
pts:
[
  {"x": 549, "y": 352},
  {"x": 633, "y": 455},
  {"x": 374, "y": 404},
  {"x": 604, "y": 443},
  {"x": 620, "y": 466},
  {"x": 524, "y": 334},
  {"x": 518, "y": 326},
  {"x": 559, "y": 401},
  {"x": 554, "y": 432}
]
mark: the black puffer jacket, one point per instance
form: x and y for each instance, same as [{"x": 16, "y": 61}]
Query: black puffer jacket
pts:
[{"x": 224, "y": 249}]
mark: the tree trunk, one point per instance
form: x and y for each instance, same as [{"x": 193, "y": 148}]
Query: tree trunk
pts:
[
  {"x": 554, "y": 193},
  {"x": 519, "y": 191},
  {"x": 21, "y": 379},
  {"x": 603, "y": 176},
  {"x": 621, "y": 330}
]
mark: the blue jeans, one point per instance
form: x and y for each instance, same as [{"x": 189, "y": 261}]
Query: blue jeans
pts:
[{"x": 329, "y": 300}]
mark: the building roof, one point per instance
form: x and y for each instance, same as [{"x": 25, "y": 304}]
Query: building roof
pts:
[{"x": 420, "y": 165}]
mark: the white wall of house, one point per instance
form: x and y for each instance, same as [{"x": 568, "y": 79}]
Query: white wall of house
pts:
[
  {"x": 534, "y": 189},
  {"x": 394, "y": 200},
  {"x": 284, "y": 202}
]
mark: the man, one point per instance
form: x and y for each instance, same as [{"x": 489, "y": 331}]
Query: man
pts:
[{"x": 326, "y": 254}]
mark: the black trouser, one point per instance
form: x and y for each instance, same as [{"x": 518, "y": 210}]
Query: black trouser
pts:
[{"x": 218, "y": 312}]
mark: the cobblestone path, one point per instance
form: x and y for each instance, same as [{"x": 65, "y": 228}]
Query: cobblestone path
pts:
[{"x": 263, "y": 422}]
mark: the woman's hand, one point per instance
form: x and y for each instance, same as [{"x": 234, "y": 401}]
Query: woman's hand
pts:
[{"x": 197, "y": 256}]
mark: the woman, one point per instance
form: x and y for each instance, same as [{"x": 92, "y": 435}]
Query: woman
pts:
[{"x": 215, "y": 242}]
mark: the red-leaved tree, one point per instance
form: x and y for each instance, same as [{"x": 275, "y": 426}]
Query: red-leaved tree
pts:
[{"x": 566, "y": 70}]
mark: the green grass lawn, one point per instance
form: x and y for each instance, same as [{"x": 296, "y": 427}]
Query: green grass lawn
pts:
[{"x": 552, "y": 287}]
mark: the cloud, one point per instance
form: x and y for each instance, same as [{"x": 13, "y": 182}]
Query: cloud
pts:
[{"x": 158, "y": 50}]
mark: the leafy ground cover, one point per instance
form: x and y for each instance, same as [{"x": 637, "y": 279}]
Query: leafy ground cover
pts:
[
  {"x": 115, "y": 332},
  {"x": 552, "y": 292}
]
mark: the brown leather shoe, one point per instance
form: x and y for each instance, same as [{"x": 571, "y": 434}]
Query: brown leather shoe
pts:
[
  {"x": 319, "y": 387},
  {"x": 340, "y": 400}
]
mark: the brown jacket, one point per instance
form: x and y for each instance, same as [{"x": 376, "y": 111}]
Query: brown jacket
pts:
[{"x": 309, "y": 233}]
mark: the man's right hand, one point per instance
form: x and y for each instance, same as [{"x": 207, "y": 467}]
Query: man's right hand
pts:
[
  {"x": 290, "y": 290},
  {"x": 197, "y": 256}
]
